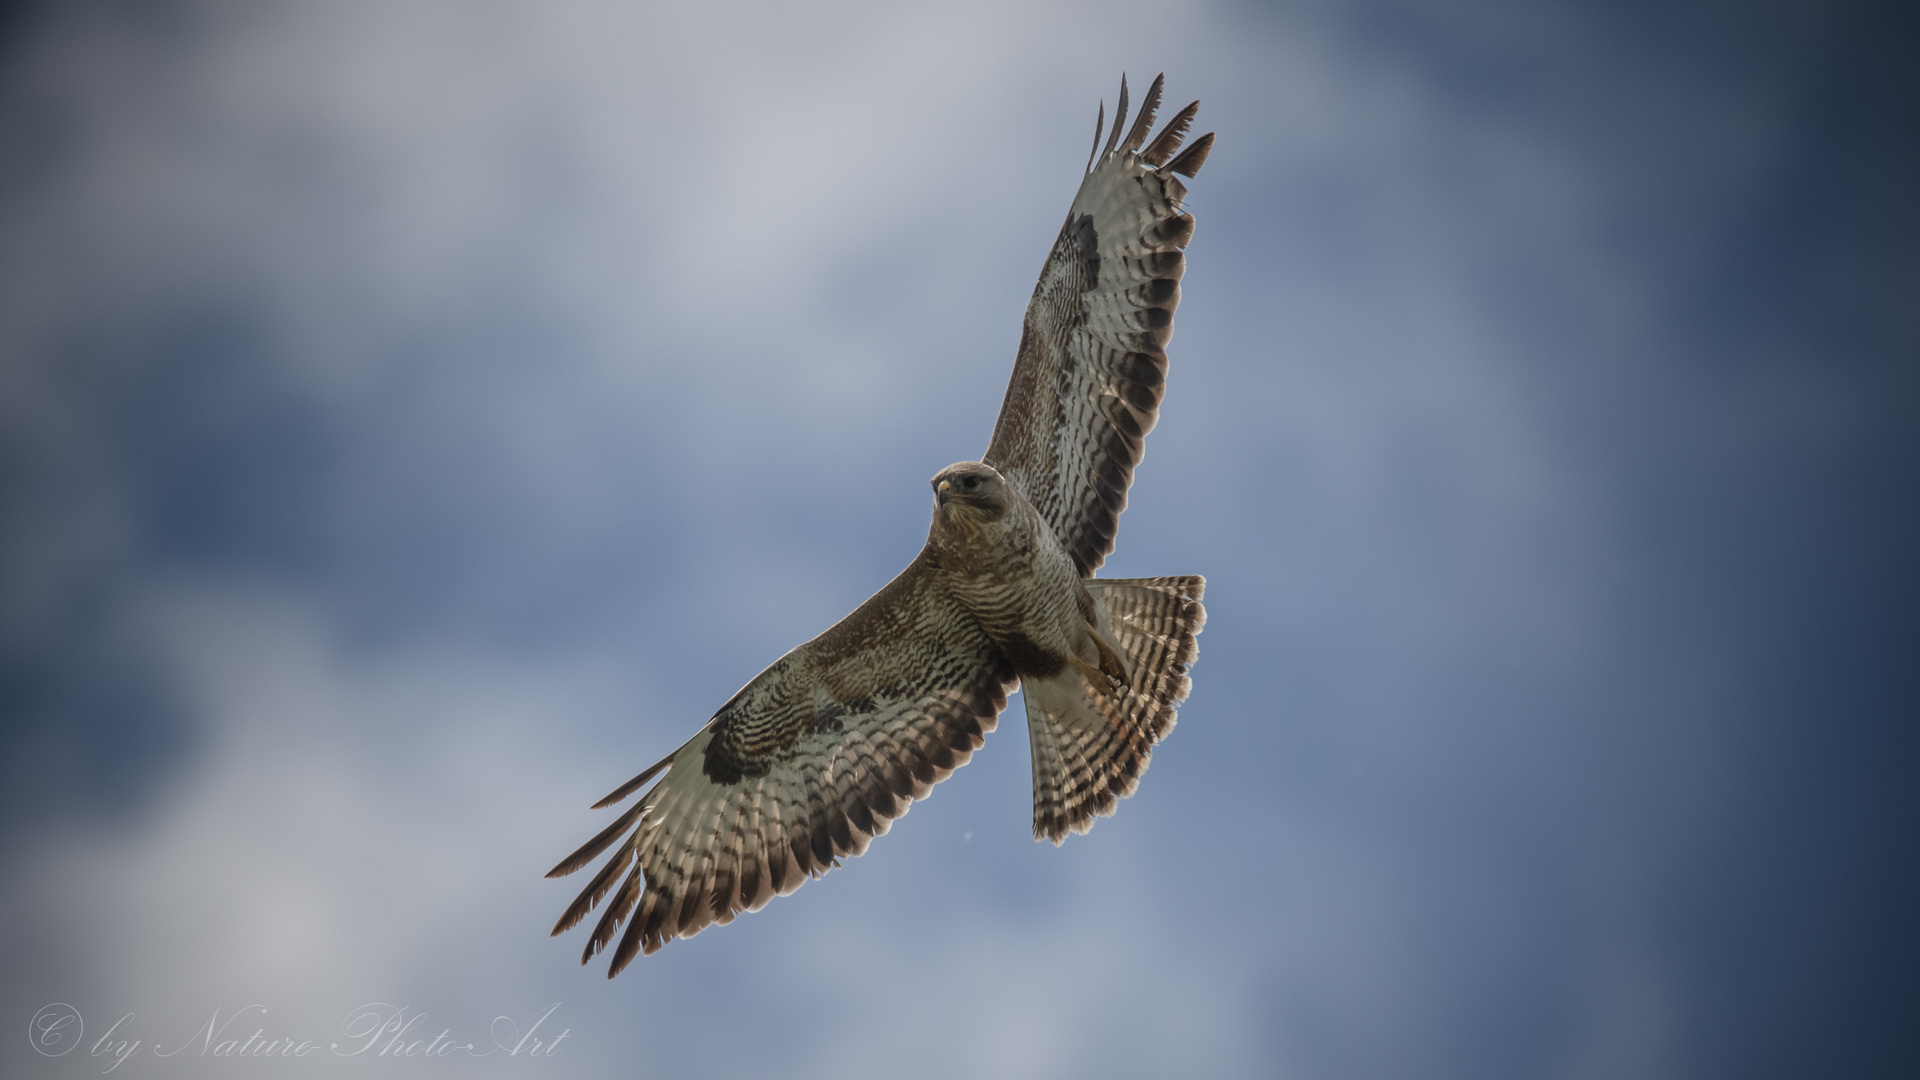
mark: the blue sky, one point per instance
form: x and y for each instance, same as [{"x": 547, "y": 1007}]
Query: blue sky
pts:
[{"x": 418, "y": 418}]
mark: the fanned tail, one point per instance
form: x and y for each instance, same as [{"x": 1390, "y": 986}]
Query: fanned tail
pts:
[{"x": 1090, "y": 746}]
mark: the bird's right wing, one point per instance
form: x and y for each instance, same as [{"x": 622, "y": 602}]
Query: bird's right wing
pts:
[
  {"x": 1092, "y": 364},
  {"x": 809, "y": 762}
]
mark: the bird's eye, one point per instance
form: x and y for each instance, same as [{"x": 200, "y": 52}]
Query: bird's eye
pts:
[{"x": 971, "y": 482}]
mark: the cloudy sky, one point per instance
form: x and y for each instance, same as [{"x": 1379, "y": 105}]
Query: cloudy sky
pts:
[{"x": 416, "y": 418}]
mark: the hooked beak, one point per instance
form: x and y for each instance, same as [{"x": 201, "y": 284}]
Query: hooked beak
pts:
[{"x": 941, "y": 491}]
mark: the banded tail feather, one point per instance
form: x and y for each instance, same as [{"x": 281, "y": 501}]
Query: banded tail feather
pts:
[{"x": 1091, "y": 746}]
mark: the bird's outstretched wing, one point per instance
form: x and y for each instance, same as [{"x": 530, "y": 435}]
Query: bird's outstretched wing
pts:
[
  {"x": 808, "y": 763},
  {"x": 1086, "y": 386}
]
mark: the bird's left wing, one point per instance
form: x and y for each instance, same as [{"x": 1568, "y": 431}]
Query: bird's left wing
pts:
[
  {"x": 808, "y": 763},
  {"x": 1092, "y": 364}
]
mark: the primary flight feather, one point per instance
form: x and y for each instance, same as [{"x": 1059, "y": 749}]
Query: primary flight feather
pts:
[{"x": 820, "y": 752}]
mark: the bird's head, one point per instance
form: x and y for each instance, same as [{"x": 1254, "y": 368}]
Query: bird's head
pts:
[{"x": 971, "y": 491}]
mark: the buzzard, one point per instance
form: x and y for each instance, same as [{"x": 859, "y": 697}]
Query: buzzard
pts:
[{"x": 820, "y": 752}]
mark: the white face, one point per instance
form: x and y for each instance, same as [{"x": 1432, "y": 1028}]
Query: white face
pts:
[{"x": 970, "y": 488}]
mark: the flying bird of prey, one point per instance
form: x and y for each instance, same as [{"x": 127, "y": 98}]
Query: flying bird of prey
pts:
[{"x": 820, "y": 752}]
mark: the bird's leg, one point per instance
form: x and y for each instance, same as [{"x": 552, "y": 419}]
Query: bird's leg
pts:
[
  {"x": 1107, "y": 671},
  {"x": 1109, "y": 677},
  {"x": 1100, "y": 681},
  {"x": 1111, "y": 663}
]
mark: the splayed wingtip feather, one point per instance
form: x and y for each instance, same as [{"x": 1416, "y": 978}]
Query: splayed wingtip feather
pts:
[
  {"x": 633, "y": 785},
  {"x": 1119, "y": 116},
  {"x": 1164, "y": 144},
  {"x": 1189, "y": 162},
  {"x": 1143, "y": 123}
]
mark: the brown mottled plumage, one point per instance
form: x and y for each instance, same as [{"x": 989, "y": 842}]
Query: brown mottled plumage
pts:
[{"x": 820, "y": 752}]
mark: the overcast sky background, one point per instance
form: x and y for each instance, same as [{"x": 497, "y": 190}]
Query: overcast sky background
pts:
[{"x": 416, "y": 418}]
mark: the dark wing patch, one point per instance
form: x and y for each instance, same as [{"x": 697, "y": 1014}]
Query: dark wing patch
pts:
[
  {"x": 1092, "y": 364},
  {"x": 805, "y": 766}
]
